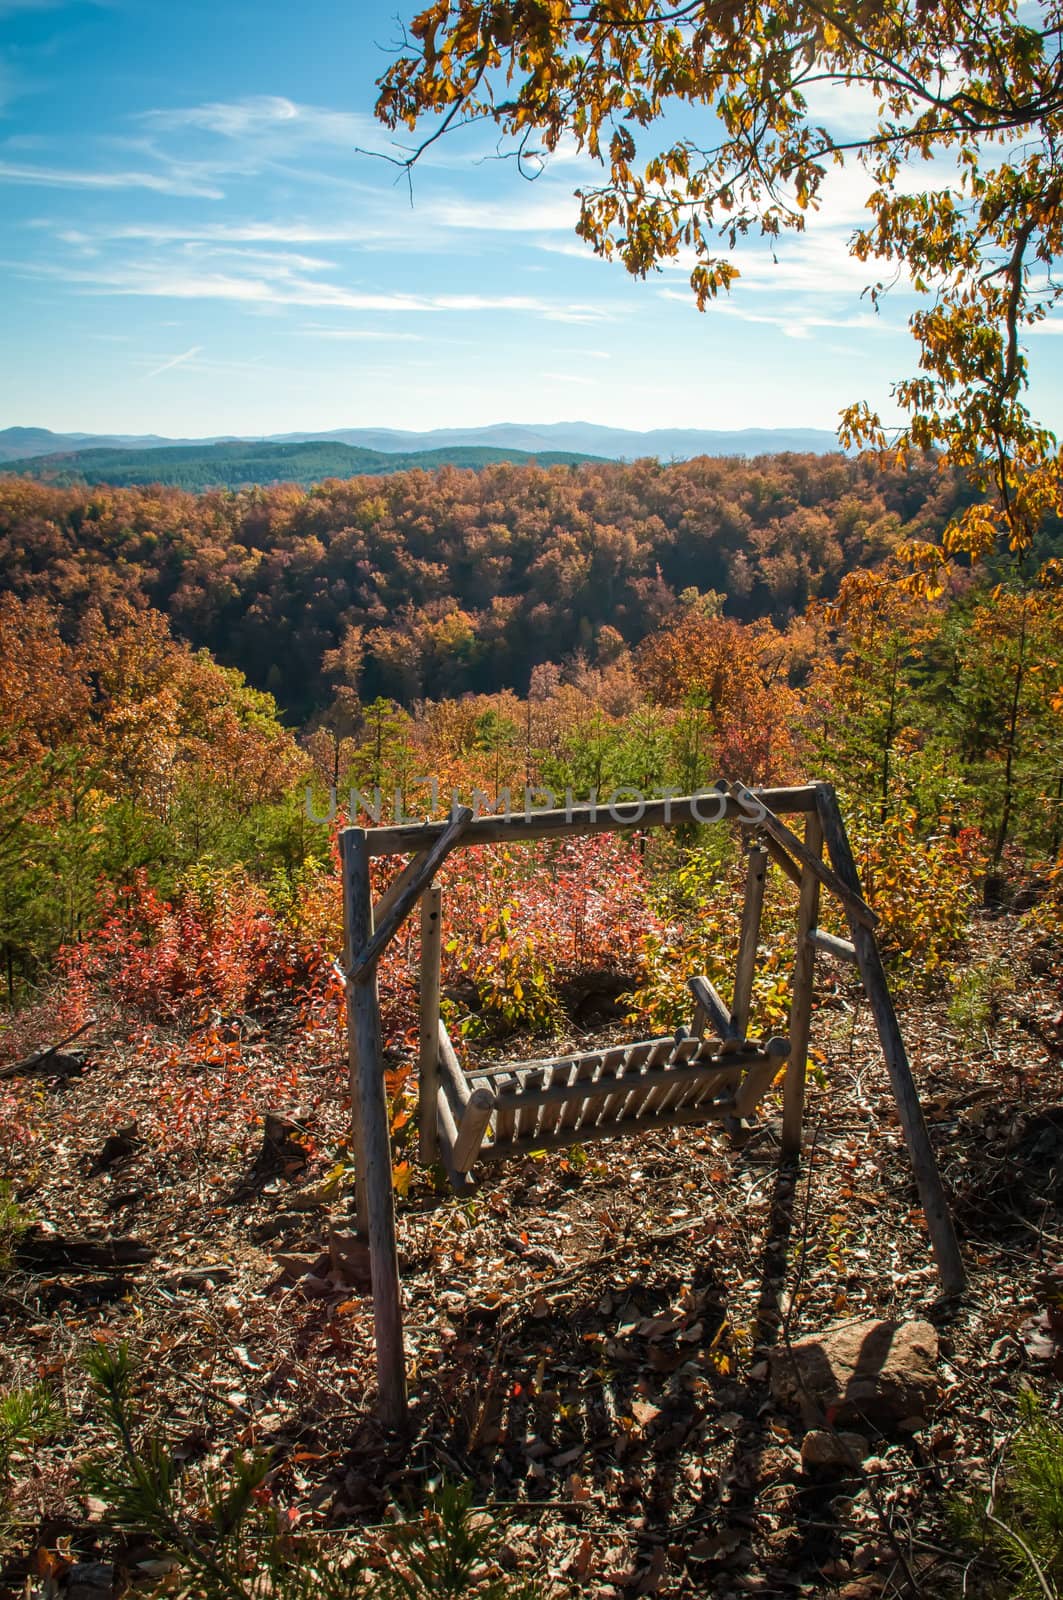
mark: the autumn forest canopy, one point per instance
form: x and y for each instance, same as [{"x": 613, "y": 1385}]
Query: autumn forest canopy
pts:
[{"x": 458, "y": 581}]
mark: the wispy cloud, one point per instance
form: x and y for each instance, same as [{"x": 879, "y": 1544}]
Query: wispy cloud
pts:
[
  {"x": 70, "y": 178},
  {"x": 382, "y": 334},
  {"x": 543, "y": 213},
  {"x": 273, "y": 123},
  {"x": 278, "y": 283},
  {"x": 218, "y": 233},
  {"x": 794, "y": 323},
  {"x": 175, "y": 361},
  {"x": 844, "y": 108}
]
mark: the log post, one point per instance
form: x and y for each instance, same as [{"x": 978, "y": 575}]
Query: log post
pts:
[
  {"x": 371, "y": 1132},
  {"x": 428, "y": 1067},
  {"x": 793, "y": 1108},
  {"x": 353, "y": 917},
  {"x": 756, "y": 873},
  {"x": 932, "y": 1194}
]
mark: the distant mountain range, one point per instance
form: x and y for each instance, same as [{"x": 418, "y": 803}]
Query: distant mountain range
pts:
[{"x": 575, "y": 438}]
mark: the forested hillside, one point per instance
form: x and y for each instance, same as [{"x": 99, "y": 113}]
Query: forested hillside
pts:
[
  {"x": 457, "y": 581},
  {"x": 237, "y": 464}
]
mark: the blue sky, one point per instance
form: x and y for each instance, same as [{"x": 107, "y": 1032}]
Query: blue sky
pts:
[{"x": 194, "y": 241}]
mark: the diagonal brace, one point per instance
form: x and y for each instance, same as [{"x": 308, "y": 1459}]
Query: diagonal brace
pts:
[{"x": 415, "y": 883}]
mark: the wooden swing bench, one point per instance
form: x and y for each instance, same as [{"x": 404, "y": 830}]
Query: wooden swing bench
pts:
[
  {"x": 710, "y": 1072},
  {"x": 494, "y": 1113}
]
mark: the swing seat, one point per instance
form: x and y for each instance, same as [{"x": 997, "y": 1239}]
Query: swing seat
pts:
[{"x": 493, "y": 1113}]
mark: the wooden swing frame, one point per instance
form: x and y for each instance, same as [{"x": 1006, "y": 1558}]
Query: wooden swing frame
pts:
[{"x": 698, "y": 1076}]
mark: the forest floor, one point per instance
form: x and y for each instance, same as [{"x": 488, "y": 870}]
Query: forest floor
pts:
[{"x": 587, "y": 1339}]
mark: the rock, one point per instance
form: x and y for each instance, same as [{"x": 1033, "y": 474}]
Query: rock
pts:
[
  {"x": 881, "y": 1372},
  {"x": 822, "y": 1449},
  {"x": 90, "y": 1580},
  {"x": 199, "y": 1277},
  {"x": 119, "y": 1146},
  {"x": 295, "y": 1267},
  {"x": 349, "y": 1258},
  {"x": 285, "y": 1151}
]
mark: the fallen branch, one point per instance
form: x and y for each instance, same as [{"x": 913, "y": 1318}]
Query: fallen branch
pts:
[{"x": 32, "y": 1064}]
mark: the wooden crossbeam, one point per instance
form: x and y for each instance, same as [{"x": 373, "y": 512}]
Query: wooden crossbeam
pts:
[
  {"x": 665, "y": 1041},
  {"x": 550, "y": 1094},
  {"x": 402, "y": 838},
  {"x": 830, "y": 945}
]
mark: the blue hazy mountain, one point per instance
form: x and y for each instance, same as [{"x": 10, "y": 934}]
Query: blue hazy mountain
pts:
[{"x": 573, "y": 438}]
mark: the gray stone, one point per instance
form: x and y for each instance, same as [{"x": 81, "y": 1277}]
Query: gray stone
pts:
[
  {"x": 883, "y": 1373},
  {"x": 822, "y": 1449},
  {"x": 90, "y": 1580}
]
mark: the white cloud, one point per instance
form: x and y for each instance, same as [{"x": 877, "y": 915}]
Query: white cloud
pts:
[
  {"x": 795, "y": 324},
  {"x": 282, "y": 261},
  {"x": 223, "y": 233},
  {"x": 361, "y": 333},
  {"x": 846, "y": 109},
  {"x": 68, "y": 178},
  {"x": 538, "y": 214},
  {"x": 380, "y": 220},
  {"x": 275, "y": 123},
  {"x": 275, "y": 283}
]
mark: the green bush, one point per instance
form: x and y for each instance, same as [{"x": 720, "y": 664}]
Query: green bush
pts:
[
  {"x": 978, "y": 993},
  {"x": 1018, "y": 1530},
  {"x": 13, "y": 1221},
  {"x": 27, "y": 1417}
]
